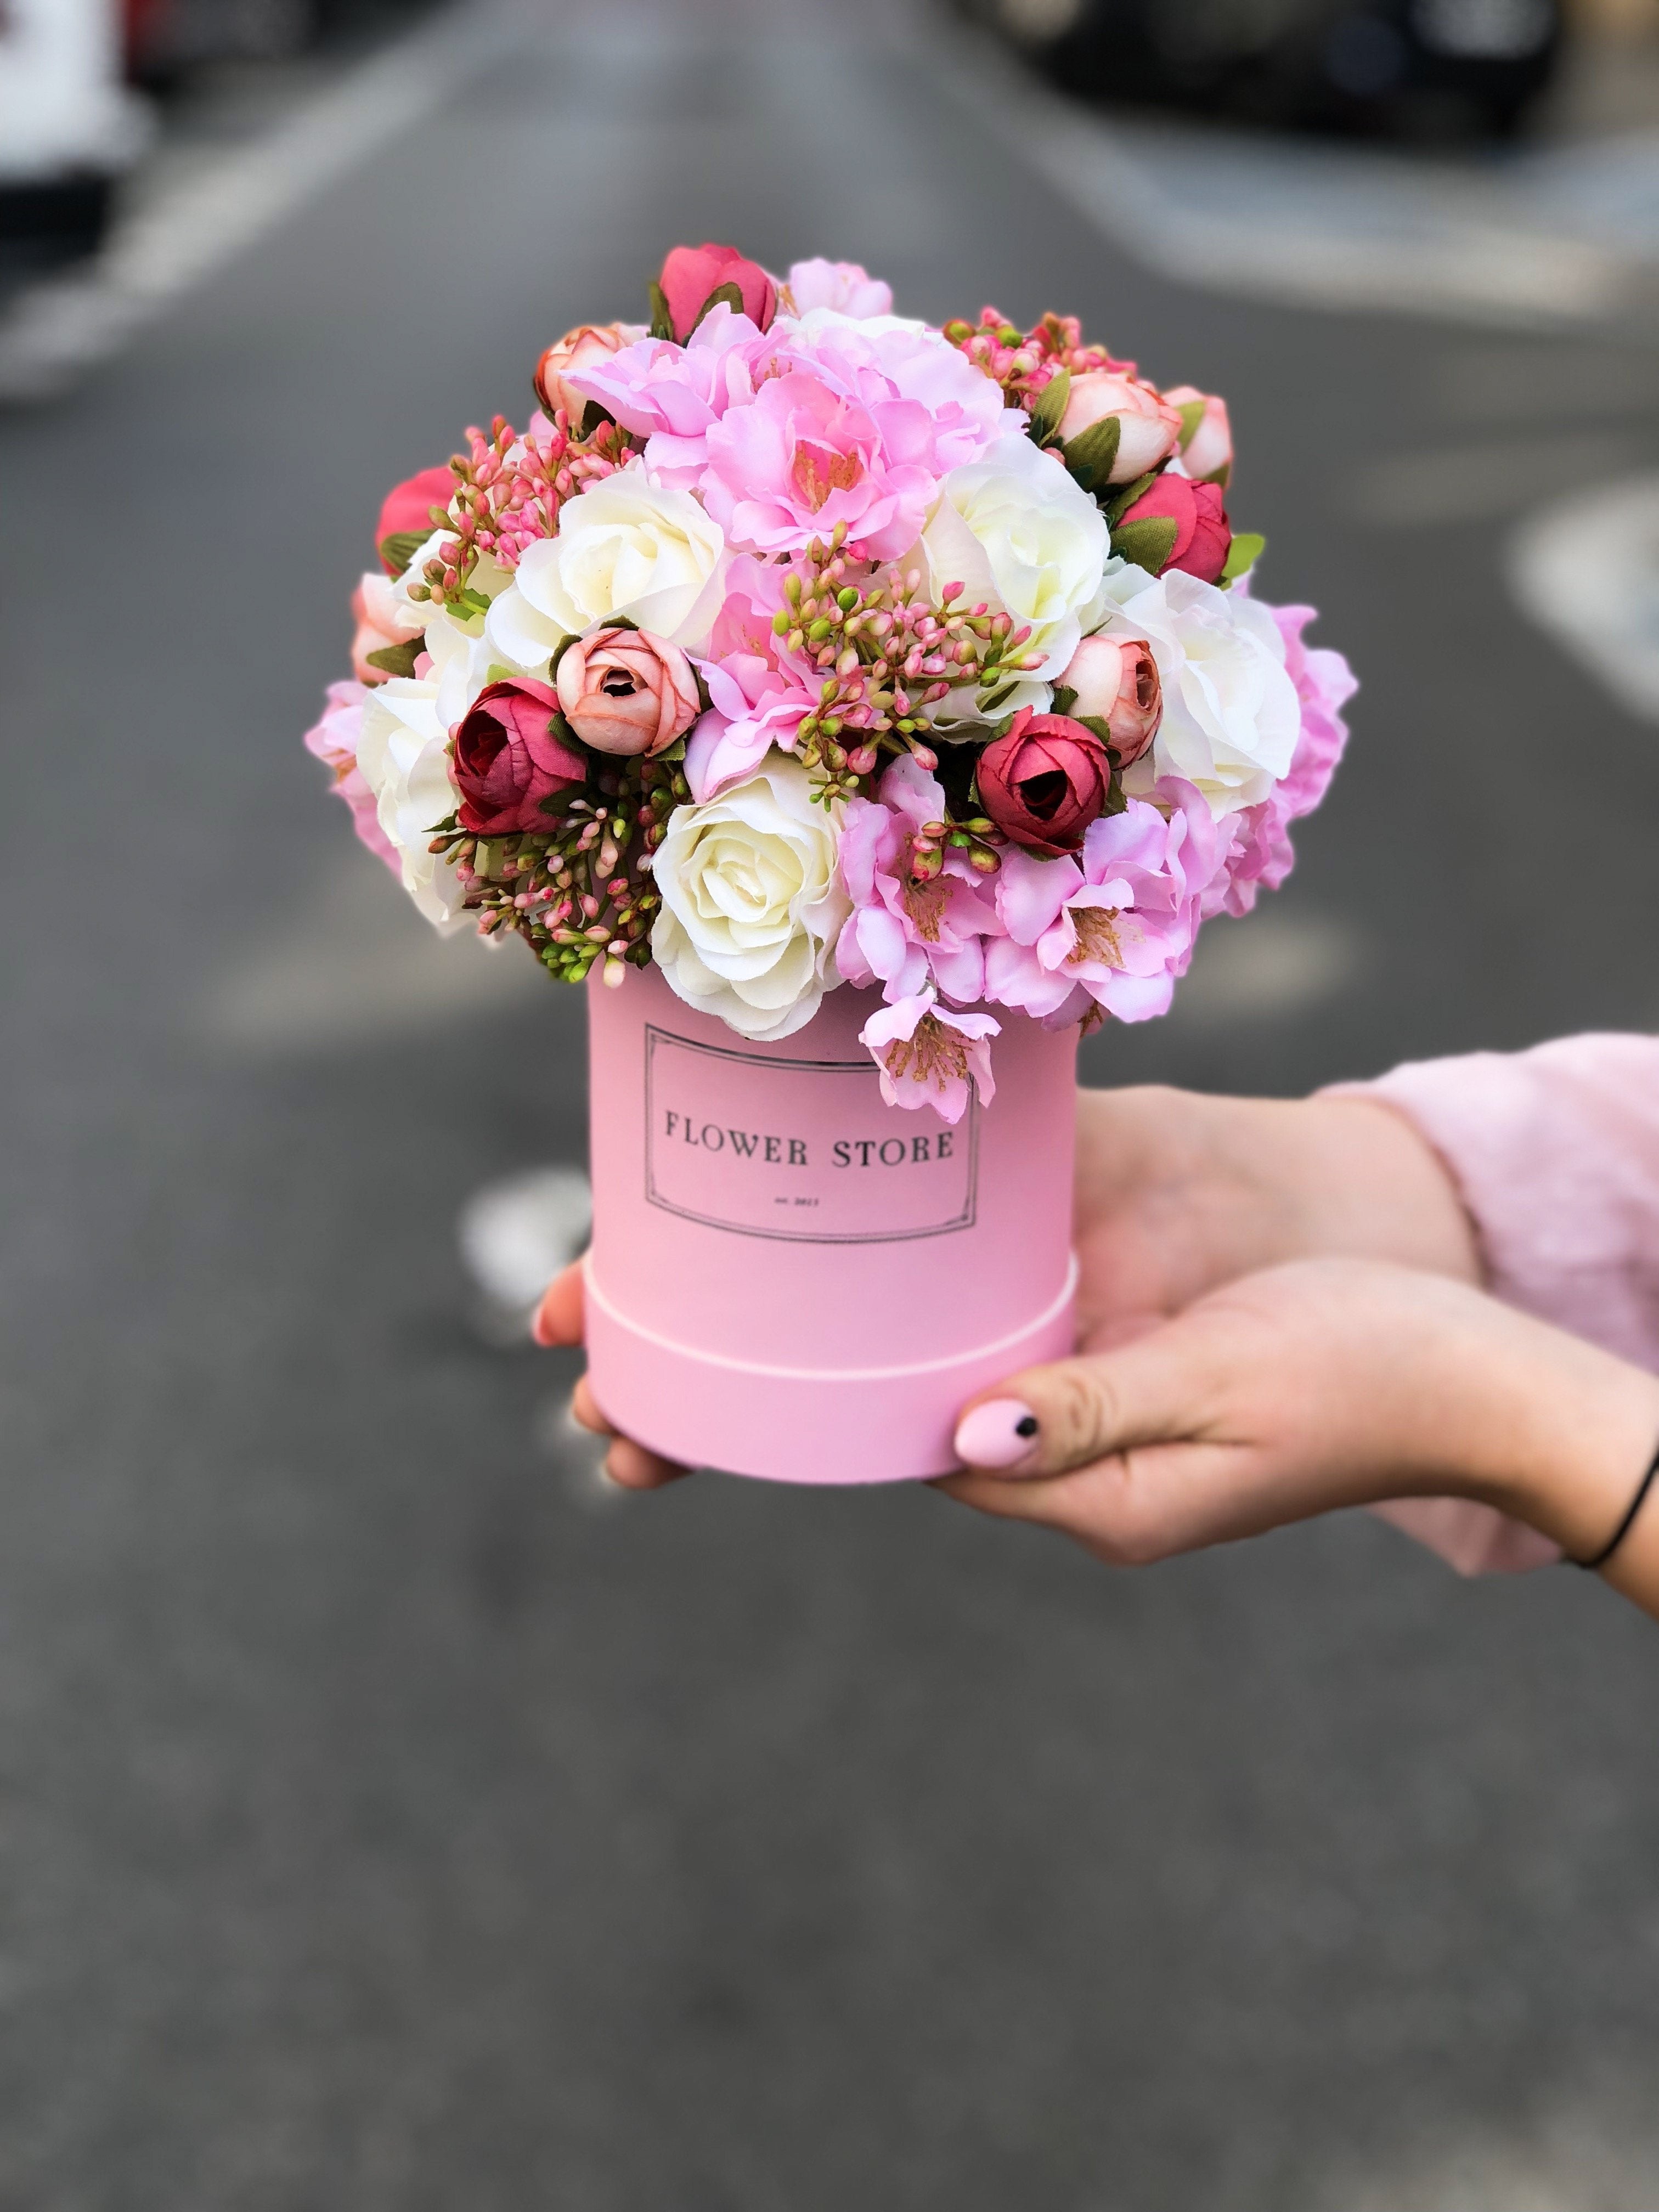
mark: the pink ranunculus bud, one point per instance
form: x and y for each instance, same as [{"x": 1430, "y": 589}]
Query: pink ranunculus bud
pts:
[
  {"x": 508, "y": 760},
  {"x": 380, "y": 623},
  {"x": 1207, "y": 454},
  {"x": 408, "y": 507},
  {"x": 585, "y": 347},
  {"x": 1045, "y": 781},
  {"x": 692, "y": 272},
  {"x": 624, "y": 691},
  {"x": 1116, "y": 682},
  {"x": 1147, "y": 426},
  {"x": 1204, "y": 537}
]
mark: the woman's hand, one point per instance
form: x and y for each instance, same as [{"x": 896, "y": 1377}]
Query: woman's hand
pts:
[
  {"x": 1316, "y": 1385},
  {"x": 1177, "y": 1193}
]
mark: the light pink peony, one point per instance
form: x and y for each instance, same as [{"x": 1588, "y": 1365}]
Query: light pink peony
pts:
[
  {"x": 758, "y": 693},
  {"x": 847, "y": 424},
  {"x": 1260, "y": 851},
  {"x": 1207, "y": 455},
  {"x": 588, "y": 343},
  {"x": 840, "y": 285},
  {"x": 909, "y": 936},
  {"x": 334, "y": 741},
  {"x": 1147, "y": 425},
  {"x": 381, "y": 623},
  {"x": 669, "y": 393},
  {"x": 929, "y": 1055},
  {"x": 1116, "y": 925}
]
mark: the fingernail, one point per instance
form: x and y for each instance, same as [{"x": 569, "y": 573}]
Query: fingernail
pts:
[
  {"x": 999, "y": 1433},
  {"x": 538, "y": 1331}
]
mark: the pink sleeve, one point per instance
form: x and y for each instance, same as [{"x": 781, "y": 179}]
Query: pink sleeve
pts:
[{"x": 1556, "y": 1154}]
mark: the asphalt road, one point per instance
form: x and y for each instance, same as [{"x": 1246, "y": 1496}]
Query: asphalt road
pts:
[{"x": 388, "y": 1822}]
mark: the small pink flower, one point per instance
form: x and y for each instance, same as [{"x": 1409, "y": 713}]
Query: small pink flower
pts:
[
  {"x": 928, "y": 1055},
  {"x": 1116, "y": 682},
  {"x": 334, "y": 741},
  {"x": 407, "y": 508},
  {"x": 907, "y": 934},
  {"x": 1206, "y": 455},
  {"x": 1203, "y": 534},
  {"x": 381, "y": 622},
  {"x": 1147, "y": 426},
  {"x": 626, "y": 692},
  {"x": 588, "y": 344},
  {"x": 1116, "y": 925},
  {"x": 691, "y": 272}
]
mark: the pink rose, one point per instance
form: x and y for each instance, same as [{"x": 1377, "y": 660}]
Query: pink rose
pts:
[
  {"x": 1203, "y": 535},
  {"x": 578, "y": 350},
  {"x": 407, "y": 509},
  {"x": 692, "y": 272},
  {"x": 1045, "y": 781},
  {"x": 1116, "y": 682},
  {"x": 624, "y": 691},
  {"x": 382, "y": 623},
  {"x": 508, "y": 760},
  {"x": 1148, "y": 426},
  {"x": 1206, "y": 452}
]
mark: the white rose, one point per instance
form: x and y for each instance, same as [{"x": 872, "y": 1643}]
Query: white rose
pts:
[
  {"x": 402, "y": 754},
  {"x": 1015, "y": 530},
  {"x": 1230, "y": 714},
  {"x": 752, "y": 902},
  {"x": 625, "y": 546}
]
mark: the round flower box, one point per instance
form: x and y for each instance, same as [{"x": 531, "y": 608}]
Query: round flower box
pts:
[{"x": 789, "y": 1276}]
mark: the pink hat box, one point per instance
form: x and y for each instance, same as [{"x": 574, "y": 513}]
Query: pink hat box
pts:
[{"x": 793, "y": 1279}]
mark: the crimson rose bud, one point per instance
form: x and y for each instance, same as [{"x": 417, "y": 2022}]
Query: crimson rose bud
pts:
[
  {"x": 409, "y": 506},
  {"x": 508, "y": 759},
  {"x": 692, "y": 272},
  {"x": 1204, "y": 537},
  {"x": 1045, "y": 782}
]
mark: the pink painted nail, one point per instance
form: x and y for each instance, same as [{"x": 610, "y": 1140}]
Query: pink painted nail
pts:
[{"x": 999, "y": 1433}]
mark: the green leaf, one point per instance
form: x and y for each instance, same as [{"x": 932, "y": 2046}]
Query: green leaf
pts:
[
  {"x": 1050, "y": 406},
  {"x": 1191, "y": 414},
  {"x": 990, "y": 701},
  {"x": 729, "y": 293},
  {"x": 662, "y": 322},
  {"x": 1097, "y": 726},
  {"x": 1092, "y": 454},
  {"x": 1065, "y": 698},
  {"x": 559, "y": 652},
  {"x": 397, "y": 660},
  {"x": 1148, "y": 543},
  {"x": 1243, "y": 555},
  {"x": 593, "y": 415},
  {"x": 400, "y": 548},
  {"x": 498, "y": 672},
  {"x": 1118, "y": 506}
]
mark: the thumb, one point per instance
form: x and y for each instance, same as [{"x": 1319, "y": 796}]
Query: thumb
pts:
[{"x": 1159, "y": 1388}]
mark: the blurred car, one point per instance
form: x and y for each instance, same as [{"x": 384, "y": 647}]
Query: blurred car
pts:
[
  {"x": 167, "y": 39},
  {"x": 1417, "y": 68},
  {"x": 68, "y": 129}
]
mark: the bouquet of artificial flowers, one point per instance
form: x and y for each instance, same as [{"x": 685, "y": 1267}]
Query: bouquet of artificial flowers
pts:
[{"x": 794, "y": 643}]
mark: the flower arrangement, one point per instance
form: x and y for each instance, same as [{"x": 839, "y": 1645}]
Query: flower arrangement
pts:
[{"x": 794, "y": 643}]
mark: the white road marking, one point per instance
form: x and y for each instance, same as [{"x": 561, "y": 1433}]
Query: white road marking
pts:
[
  {"x": 1468, "y": 483},
  {"x": 63, "y": 325},
  {"x": 1586, "y": 570},
  {"x": 357, "y": 965},
  {"x": 1269, "y": 966},
  {"x": 1540, "y": 240}
]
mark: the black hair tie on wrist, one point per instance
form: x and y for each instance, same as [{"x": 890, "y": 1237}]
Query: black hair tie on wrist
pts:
[{"x": 1627, "y": 1523}]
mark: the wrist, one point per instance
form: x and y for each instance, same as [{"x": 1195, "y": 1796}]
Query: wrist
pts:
[{"x": 1577, "y": 1431}]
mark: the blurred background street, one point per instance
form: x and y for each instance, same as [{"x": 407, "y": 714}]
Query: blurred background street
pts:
[{"x": 394, "y": 1819}]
